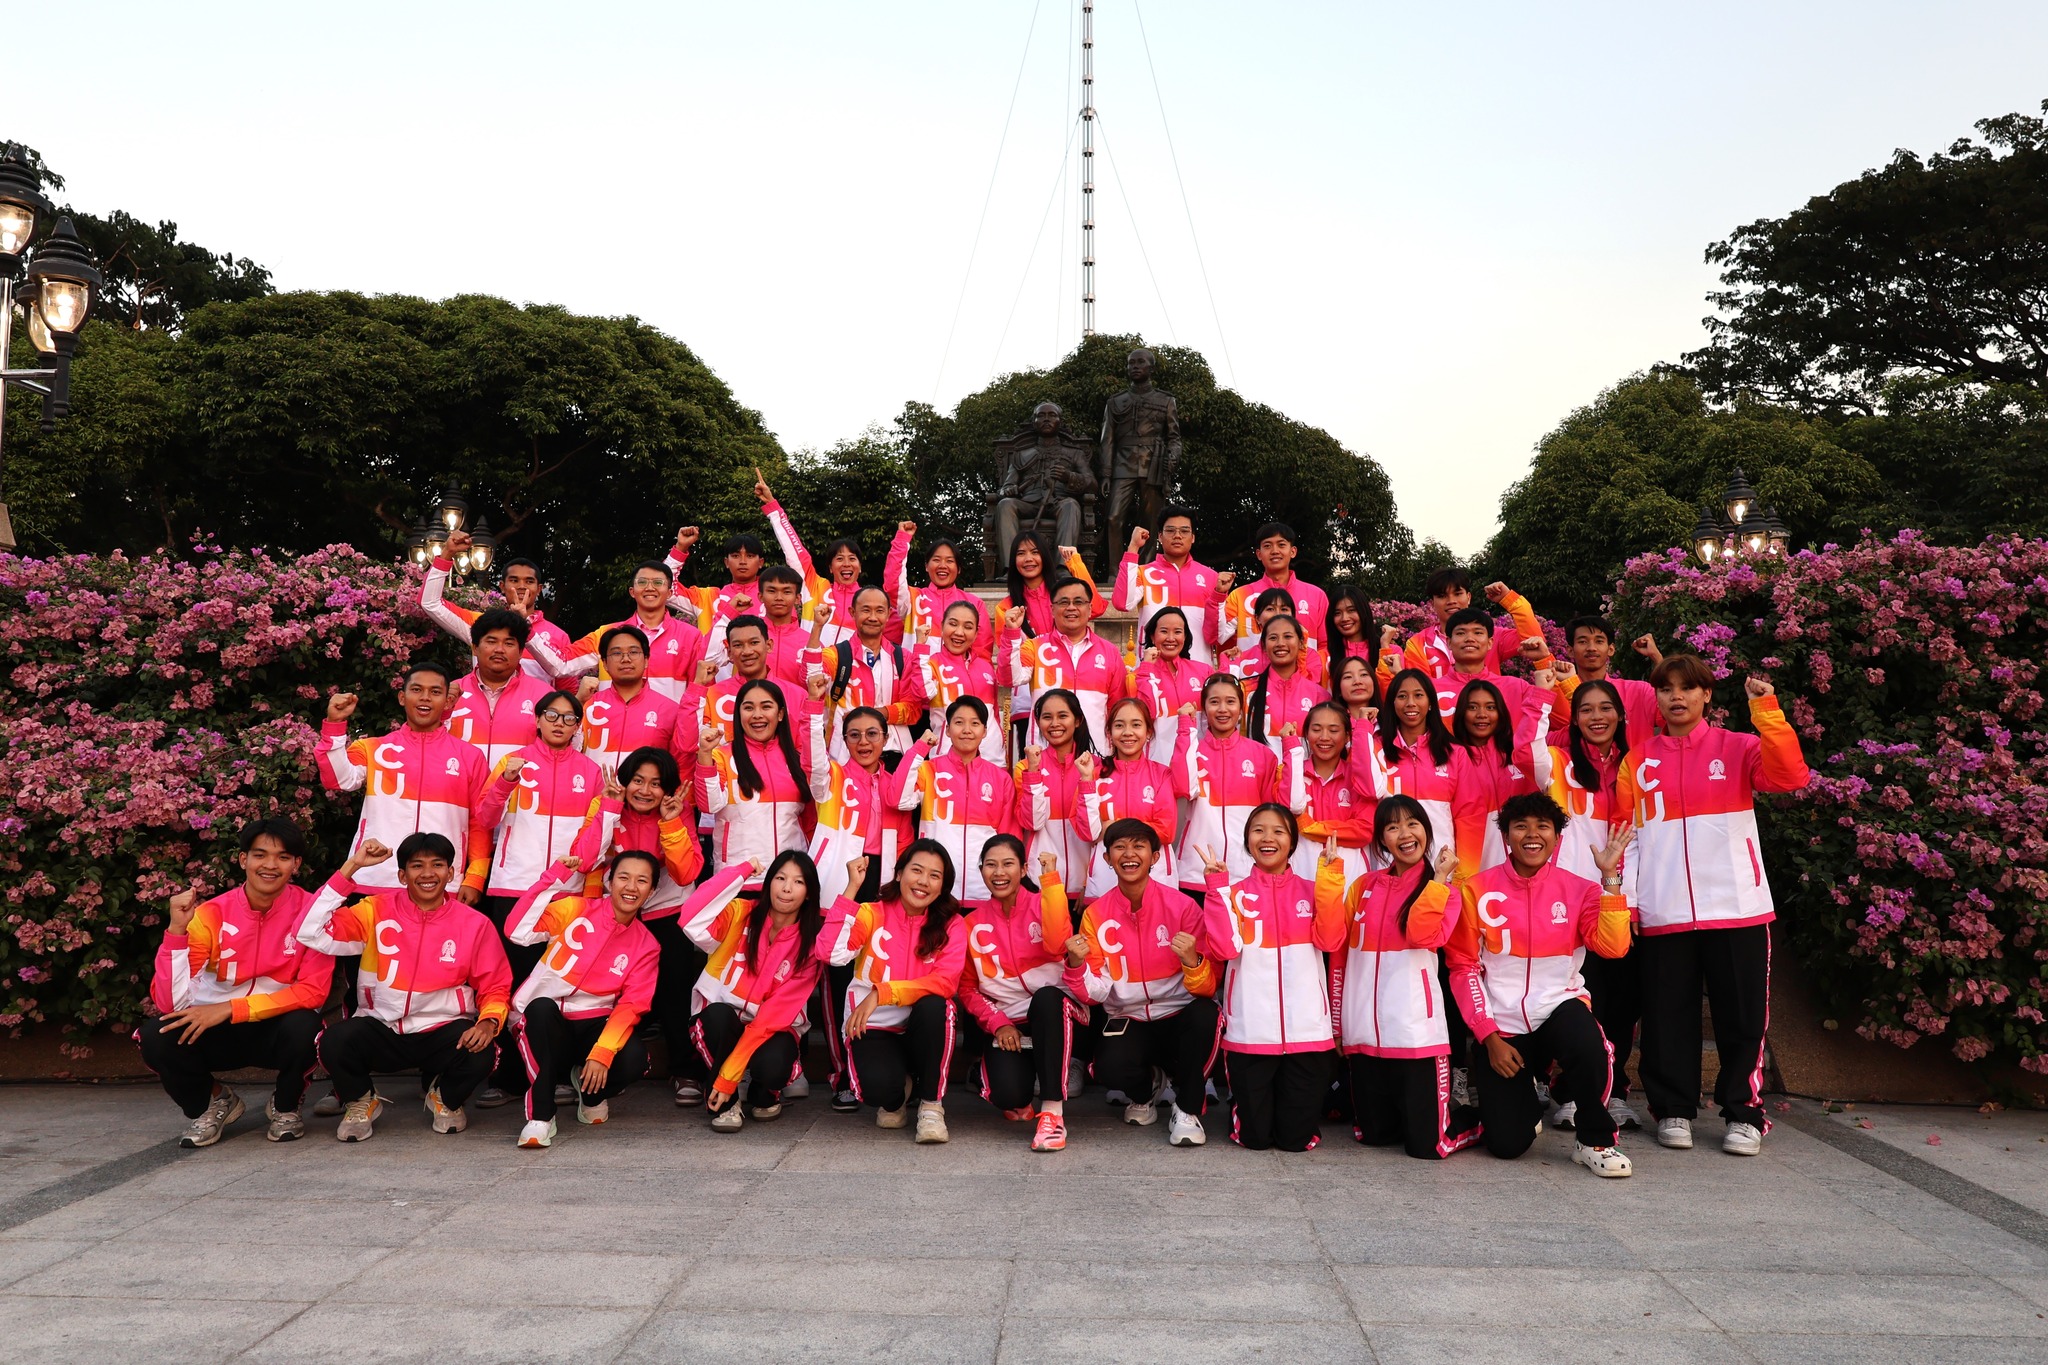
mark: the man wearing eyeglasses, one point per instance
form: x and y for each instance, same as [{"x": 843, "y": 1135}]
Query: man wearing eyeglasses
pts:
[{"x": 540, "y": 797}]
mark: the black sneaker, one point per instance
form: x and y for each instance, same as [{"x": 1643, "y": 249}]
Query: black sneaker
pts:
[{"x": 844, "y": 1102}]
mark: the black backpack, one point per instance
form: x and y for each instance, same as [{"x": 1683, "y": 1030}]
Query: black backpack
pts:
[{"x": 842, "y": 672}]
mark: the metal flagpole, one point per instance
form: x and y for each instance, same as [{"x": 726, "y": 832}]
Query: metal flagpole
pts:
[{"x": 1087, "y": 168}]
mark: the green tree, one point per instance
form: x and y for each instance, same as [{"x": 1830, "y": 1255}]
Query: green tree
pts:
[{"x": 1934, "y": 267}]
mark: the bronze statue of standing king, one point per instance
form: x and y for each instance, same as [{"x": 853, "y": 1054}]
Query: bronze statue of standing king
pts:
[{"x": 1140, "y": 456}]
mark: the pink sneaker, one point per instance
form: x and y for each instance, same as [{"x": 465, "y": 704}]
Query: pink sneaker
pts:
[
  {"x": 1051, "y": 1135},
  {"x": 1019, "y": 1115}
]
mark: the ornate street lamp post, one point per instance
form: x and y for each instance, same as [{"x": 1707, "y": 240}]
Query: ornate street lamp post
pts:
[
  {"x": 55, "y": 293},
  {"x": 428, "y": 540},
  {"x": 1745, "y": 526}
]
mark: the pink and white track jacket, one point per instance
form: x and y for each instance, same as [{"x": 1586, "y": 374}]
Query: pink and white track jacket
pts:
[
  {"x": 673, "y": 649},
  {"x": 1132, "y": 970},
  {"x": 871, "y": 680},
  {"x": 539, "y": 800},
  {"x": 859, "y": 816},
  {"x": 1515, "y": 954},
  {"x": 1593, "y": 815},
  {"x": 1092, "y": 669},
  {"x": 1156, "y": 583},
  {"x": 1429, "y": 650},
  {"x": 961, "y": 805},
  {"x": 1165, "y": 688},
  {"x": 614, "y": 726},
  {"x": 880, "y": 940},
  {"x": 497, "y": 726},
  {"x": 922, "y": 609},
  {"x": 412, "y": 781},
  {"x": 774, "y": 819},
  {"x": 1638, "y": 706},
  {"x": 1049, "y": 813},
  {"x": 934, "y": 680},
  {"x": 1273, "y": 931},
  {"x": 1288, "y": 702},
  {"x": 1141, "y": 790},
  {"x": 1014, "y": 953},
  {"x": 251, "y": 961},
  {"x": 421, "y": 969},
  {"x": 457, "y": 620},
  {"x": 1410, "y": 770},
  {"x": 1326, "y": 806},
  {"x": 1222, "y": 780},
  {"x": 593, "y": 966},
  {"x": 614, "y": 829},
  {"x": 1384, "y": 983},
  {"x": 1698, "y": 862},
  {"x": 1241, "y": 620}
]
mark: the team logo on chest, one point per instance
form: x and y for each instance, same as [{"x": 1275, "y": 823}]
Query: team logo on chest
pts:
[
  {"x": 1165, "y": 939},
  {"x": 619, "y": 965},
  {"x": 1249, "y": 770},
  {"x": 1035, "y": 932},
  {"x": 576, "y": 782},
  {"x": 1717, "y": 771},
  {"x": 454, "y": 767},
  {"x": 988, "y": 792},
  {"x": 1557, "y": 912},
  {"x": 448, "y": 950},
  {"x": 1302, "y": 911}
]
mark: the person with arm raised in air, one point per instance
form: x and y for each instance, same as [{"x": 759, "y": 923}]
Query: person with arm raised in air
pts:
[
  {"x": 868, "y": 668},
  {"x": 761, "y": 792},
  {"x": 1072, "y": 657},
  {"x": 1276, "y": 548},
  {"x": 1167, "y": 679},
  {"x": 1449, "y": 592},
  {"x": 1322, "y": 789},
  {"x": 494, "y": 702},
  {"x": 1173, "y": 579},
  {"x": 940, "y": 676},
  {"x": 837, "y": 580},
  {"x": 519, "y": 581},
  {"x": 1126, "y": 784},
  {"x": 1524, "y": 927},
  {"x": 673, "y": 645},
  {"x": 232, "y": 990},
  {"x": 924, "y": 609},
  {"x": 1028, "y": 590},
  {"x": 1590, "y": 643},
  {"x": 1284, "y": 691},
  {"x": 745, "y": 556},
  {"x": 1223, "y": 776},
  {"x": 962, "y": 799},
  {"x": 1049, "y": 784}
]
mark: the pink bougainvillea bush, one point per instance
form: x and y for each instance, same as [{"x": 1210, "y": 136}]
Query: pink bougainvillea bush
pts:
[
  {"x": 1913, "y": 870},
  {"x": 147, "y": 708}
]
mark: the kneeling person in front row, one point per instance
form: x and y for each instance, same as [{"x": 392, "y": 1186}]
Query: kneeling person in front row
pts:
[
  {"x": 233, "y": 990},
  {"x": 587, "y": 994},
  {"x": 1523, "y": 930},
  {"x": 433, "y": 989}
]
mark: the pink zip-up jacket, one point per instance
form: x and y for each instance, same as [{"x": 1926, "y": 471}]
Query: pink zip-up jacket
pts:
[
  {"x": 1092, "y": 669},
  {"x": 1384, "y": 984},
  {"x": 934, "y": 680},
  {"x": 539, "y": 800},
  {"x": 1429, "y": 650},
  {"x": 1594, "y": 814},
  {"x": 1049, "y": 813},
  {"x": 880, "y": 940},
  {"x": 1638, "y": 706},
  {"x": 1410, "y": 770},
  {"x": 593, "y": 967},
  {"x": 871, "y": 682},
  {"x": 1241, "y": 621},
  {"x": 1273, "y": 931},
  {"x": 230, "y": 953},
  {"x": 457, "y": 620},
  {"x": 421, "y": 969},
  {"x": 1514, "y": 691},
  {"x": 1156, "y": 584},
  {"x": 1131, "y": 969},
  {"x": 1482, "y": 781},
  {"x": 1324, "y": 807},
  {"x": 615, "y": 828},
  {"x": 1140, "y": 790},
  {"x": 1012, "y": 954},
  {"x": 497, "y": 727},
  {"x": 413, "y": 782},
  {"x": 614, "y": 726},
  {"x": 1698, "y": 864},
  {"x": 1222, "y": 780},
  {"x": 818, "y": 587},
  {"x": 961, "y": 805},
  {"x": 1515, "y": 953},
  {"x": 859, "y": 816},
  {"x": 776, "y": 818},
  {"x": 791, "y": 656},
  {"x": 673, "y": 650},
  {"x": 1166, "y": 686},
  {"x": 922, "y": 609},
  {"x": 1288, "y": 702}
]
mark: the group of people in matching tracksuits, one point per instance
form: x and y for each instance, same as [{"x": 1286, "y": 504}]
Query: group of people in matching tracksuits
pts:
[{"x": 1433, "y": 888}]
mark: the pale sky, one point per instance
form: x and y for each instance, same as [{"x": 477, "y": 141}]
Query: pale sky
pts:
[{"x": 1432, "y": 233}]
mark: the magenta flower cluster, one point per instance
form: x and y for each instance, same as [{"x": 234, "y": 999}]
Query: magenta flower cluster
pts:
[
  {"x": 148, "y": 707},
  {"x": 1913, "y": 870}
]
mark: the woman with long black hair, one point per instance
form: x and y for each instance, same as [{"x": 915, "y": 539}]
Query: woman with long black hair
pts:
[
  {"x": 1351, "y": 631},
  {"x": 1167, "y": 679},
  {"x": 1322, "y": 790},
  {"x": 1494, "y": 755},
  {"x": 1027, "y": 585},
  {"x": 908, "y": 947},
  {"x": 751, "y": 1000},
  {"x": 761, "y": 791},
  {"x": 1390, "y": 1004},
  {"x": 1409, "y": 751},
  {"x": 1285, "y": 691},
  {"x": 1049, "y": 784}
]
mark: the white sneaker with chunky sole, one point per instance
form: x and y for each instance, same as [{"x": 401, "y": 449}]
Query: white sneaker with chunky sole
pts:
[
  {"x": 1610, "y": 1162},
  {"x": 537, "y": 1133},
  {"x": 1743, "y": 1139},
  {"x": 1675, "y": 1134},
  {"x": 1185, "y": 1130}
]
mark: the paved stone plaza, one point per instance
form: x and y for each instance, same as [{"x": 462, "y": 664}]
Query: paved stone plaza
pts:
[{"x": 820, "y": 1237}]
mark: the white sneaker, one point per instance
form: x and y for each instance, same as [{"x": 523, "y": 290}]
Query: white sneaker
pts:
[
  {"x": 357, "y": 1118},
  {"x": 537, "y": 1133},
  {"x": 223, "y": 1109},
  {"x": 798, "y": 1088},
  {"x": 600, "y": 1112},
  {"x": 1624, "y": 1117},
  {"x": 1743, "y": 1139},
  {"x": 1144, "y": 1115},
  {"x": 446, "y": 1120},
  {"x": 1675, "y": 1134},
  {"x": 1602, "y": 1161},
  {"x": 1077, "y": 1077},
  {"x": 327, "y": 1106},
  {"x": 1185, "y": 1130},
  {"x": 764, "y": 1113},
  {"x": 931, "y": 1123},
  {"x": 1562, "y": 1116},
  {"x": 727, "y": 1120},
  {"x": 284, "y": 1127},
  {"x": 893, "y": 1118}
]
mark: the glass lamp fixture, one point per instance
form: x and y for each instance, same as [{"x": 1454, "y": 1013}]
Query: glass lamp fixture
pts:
[
  {"x": 1738, "y": 498},
  {"x": 1706, "y": 539}
]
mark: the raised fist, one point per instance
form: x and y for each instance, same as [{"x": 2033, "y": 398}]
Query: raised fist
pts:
[
  {"x": 1757, "y": 687},
  {"x": 183, "y": 905},
  {"x": 818, "y": 685},
  {"x": 1086, "y": 766},
  {"x": 459, "y": 543},
  {"x": 1048, "y": 866},
  {"x": 1139, "y": 535},
  {"x": 1496, "y": 592},
  {"x": 371, "y": 853},
  {"x": 341, "y": 706},
  {"x": 687, "y": 536},
  {"x": 906, "y": 528}
]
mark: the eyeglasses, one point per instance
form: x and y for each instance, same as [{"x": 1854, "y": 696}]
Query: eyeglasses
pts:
[{"x": 560, "y": 717}]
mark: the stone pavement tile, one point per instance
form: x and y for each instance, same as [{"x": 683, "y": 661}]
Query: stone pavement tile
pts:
[
  {"x": 1760, "y": 1301},
  {"x": 1179, "y": 1289},
  {"x": 778, "y": 1335},
  {"x": 865, "y": 1285},
  {"x": 1029, "y": 1339},
  {"x": 1127, "y": 1231},
  {"x": 1962, "y": 1237},
  {"x": 2032, "y": 1287},
  {"x": 2004, "y": 1152},
  {"x": 202, "y": 1172},
  {"x": 1553, "y": 1299},
  {"x": 1456, "y": 1237},
  {"x": 850, "y": 1225},
  {"x": 1633, "y": 1346},
  {"x": 1784, "y": 1229},
  {"x": 100, "y": 1215},
  {"x": 224, "y": 1271},
  {"x": 495, "y": 1273},
  {"x": 1863, "y": 1349},
  {"x": 673, "y": 1227},
  {"x": 93, "y": 1331},
  {"x": 356, "y": 1172},
  {"x": 295, "y": 1222},
  {"x": 449, "y": 1333},
  {"x": 23, "y": 1256},
  {"x": 668, "y": 1184}
]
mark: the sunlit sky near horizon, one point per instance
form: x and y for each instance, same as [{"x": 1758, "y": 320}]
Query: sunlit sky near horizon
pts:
[{"x": 1432, "y": 233}]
